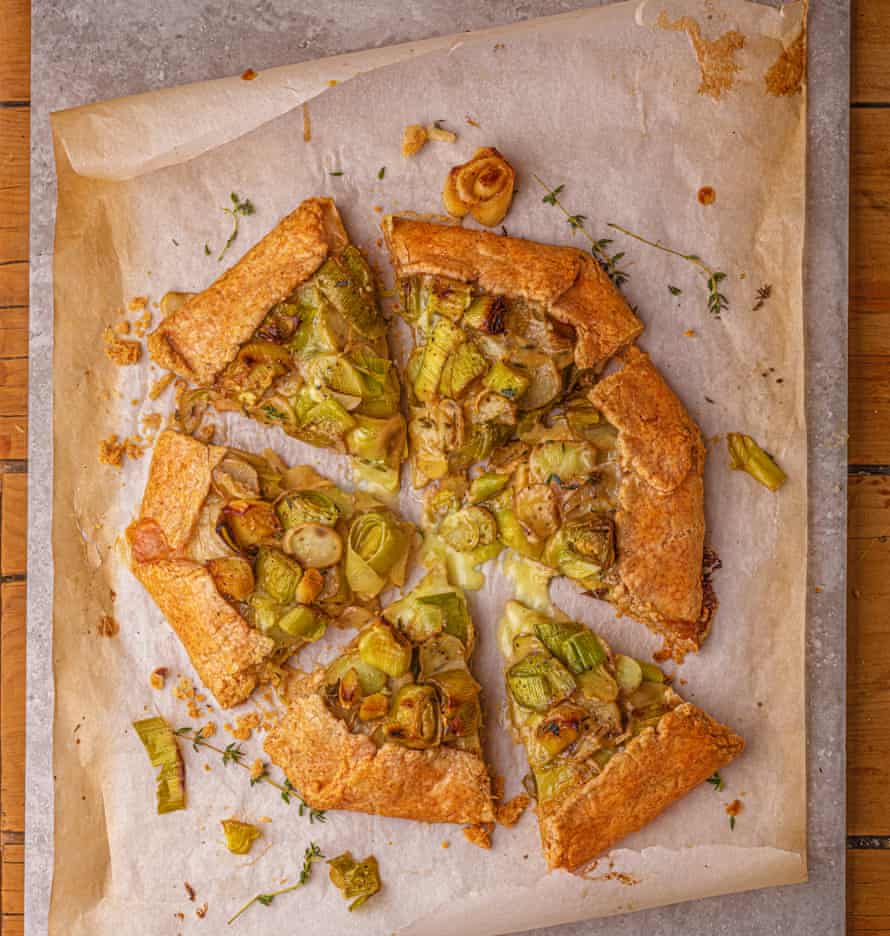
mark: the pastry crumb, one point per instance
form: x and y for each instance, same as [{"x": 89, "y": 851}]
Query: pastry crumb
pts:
[
  {"x": 257, "y": 770},
  {"x": 414, "y": 139},
  {"x": 160, "y": 385},
  {"x": 143, "y": 323},
  {"x": 108, "y": 626},
  {"x": 479, "y": 835},
  {"x": 441, "y": 135},
  {"x": 248, "y": 74},
  {"x": 497, "y": 786},
  {"x": 244, "y": 726},
  {"x": 471, "y": 122},
  {"x": 158, "y": 677},
  {"x": 446, "y": 844},
  {"x": 207, "y": 767},
  {"x": 122, "y": 327},
  {"x": 689, "y": 333},
  {"x": 201, "y": 912},
  {"x": 511, "y": 812},
  {"x": 209, "y": 730},
  {"x": 264, "y": 819},
  {"x": 734, "y": 808},
  {"x": 120, "y": 351},
  {"x": 137, "y": 303},
  {"x": 189, "y": 890}
]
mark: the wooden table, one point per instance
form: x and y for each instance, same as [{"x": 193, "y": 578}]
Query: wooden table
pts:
[{"x": 868, "y": 823}]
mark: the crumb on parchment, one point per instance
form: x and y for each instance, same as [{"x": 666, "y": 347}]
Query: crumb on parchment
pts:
[
  {"x": 137, "y": 303},
  {"x": 160, "y": 385},
  {"x": 111, "y": 451},
  {"x": 122, "y": 327},
  {"x": 244, "y": 725},
  {"x": 108, "y": 626},
  {"x": 158, "y": 677},
  {"x": 201, "y": 911},
  {"x": 511, "y": 812},
  {"x": 479, "y": 835},
  {"x": 257, "y": 769},
  {"x": 189, "y": 890},
  {"x": 209, "y": 730},
  {"x": 414, "y": 139},
  {"x": 120, "y": 351}
]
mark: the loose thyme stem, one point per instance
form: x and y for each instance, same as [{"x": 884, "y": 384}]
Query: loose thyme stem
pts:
[
  {"x": 717, "y": 302},
  {"x": 233, "y": 755},
  {"x": 310, "y": 856}
]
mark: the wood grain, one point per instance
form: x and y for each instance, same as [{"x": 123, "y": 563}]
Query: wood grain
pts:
[
  {"x": 871, "y": 41},
  {"x": 13, "y": 332},
  {"x": 12, "y": 753},
  {"x": 868, "y": 907},
  {"x": 15, "y": 49},
  {"x": 14, "y": 155},
  {"x": 13, "y": 437},
  {"x": 13, "y": 524}
]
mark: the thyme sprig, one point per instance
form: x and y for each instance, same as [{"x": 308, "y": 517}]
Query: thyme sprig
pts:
[
  {"x": 234, "y": 754},
  {"x": 717, "y": 302},
  {"x": 763, "y": 293},
  {"x": 598, "y": 248},
  {"x": 716, "y": 781},
  {"x": 240, "y": 206},
  {"x": 310, "y": 856}
]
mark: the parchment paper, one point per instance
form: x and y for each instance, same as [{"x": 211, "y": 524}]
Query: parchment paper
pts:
[{"x": 607, "y": 103}]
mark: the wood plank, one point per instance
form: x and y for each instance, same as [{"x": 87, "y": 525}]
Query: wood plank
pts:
[
  {"x": 14, "y": 332},
  {"x": 13, "y": 437},
  {"x": 12, "y": 708},
  {"x": 13, "y": 524},
  {"x": 870, "y": 288},
  {"x": 868, "y": 629},
  {"x": 13, "y": 925},
  {"x": 12, "y": 894},
  {"x": 14, "y": 387},
  {"x": 15, "y": 49},
  {"x": 14, "y": 157},
  {"x": 868, "y": 886},
  {"x": 871, "y": 51}
]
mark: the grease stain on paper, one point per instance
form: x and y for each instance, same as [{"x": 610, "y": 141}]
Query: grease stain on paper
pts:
[
  {"x": 716, "y": 57},
  {"x": 785, "y": 76}
]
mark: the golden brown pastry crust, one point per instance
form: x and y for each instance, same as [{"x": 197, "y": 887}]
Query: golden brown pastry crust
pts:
[
  {"x": 204, "y": 334},
  {"x": 336, "y": 769},
  {"x": 656, "y": 769},
  {"x": 228, "y": 654},
  {"x": 570, "y": 284},
  {"x": 660, "y": 521}
]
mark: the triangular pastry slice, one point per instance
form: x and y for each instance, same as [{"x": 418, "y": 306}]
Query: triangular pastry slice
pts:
[
  {"x": 292, "y": 336},
  {"x": 249, "y": 560},
  {"x": 610, "y": 744},
  {"x": 392, "y": 725}
]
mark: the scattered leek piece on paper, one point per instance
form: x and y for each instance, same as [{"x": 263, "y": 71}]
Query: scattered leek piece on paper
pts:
[
  {"x": 358, "y": 880},
  {"x": 240, "y": 836},
  {"x": 310, "y": 856},
  {"x": 746, "y": 455},
  {"x": 160, "y": 743}
]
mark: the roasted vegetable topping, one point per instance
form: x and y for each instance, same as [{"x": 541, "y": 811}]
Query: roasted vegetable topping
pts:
[
  {"x": 240, "y": 836},
  {"x": 377, "y": 551},
  {"x": 358, "y": 880},
  {"x": 469, "y": 528},
  {"x": 746, "y": 455},
  {"x": 160, "y": 744},
  {"x": 300, "y": 507},
  {"x": 414, "y": 717},
  {"x": 314, "y": 545},
  {"x": 277, "y": 574},
  {"x": 246, "y": 525},
  {"x": 379, "y": 646},
  {"x": 233, "y": 577}
]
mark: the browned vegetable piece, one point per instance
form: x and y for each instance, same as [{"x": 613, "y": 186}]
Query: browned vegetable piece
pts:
[
  {"x": 246, "y": 525},
  {"x": 233, "y": 577}
]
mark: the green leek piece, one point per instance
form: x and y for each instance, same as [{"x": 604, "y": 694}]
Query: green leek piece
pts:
[
  {"x": 468, "y": 528},
  {"x": 304, "y": 623},
  {"x": 456, "y": 619},
  {"x": 456, "y": 686},
  {"x": 583, "y": 550},
  {"x": 335, "y": 595},
  {"x": 379, "y": 441},
  {"x": 573, "y": 644},
  {"x": 547, "y": 382},
  {"x": 333, "y": 372},
  {"x": 509, "y": 382},
  {"x": 628, "y": 673},
  {"x": 298, "y": 507},
  {"x": 325, "y": 423},
  {"x": 449, "y": 298},
  {"x": 437, "y": 653},
  {"x": 414, "y": 718},
  {"x": 560, "y": 728},
  {"x": 349, "y": 692},
  {"x": 537, "y": 509},
  {"x": 597, "y": 683},
  {"x": 443, "y": 340},
  {"x": 483, "y": 439},
  {"x": 374, "y": 707},
  {"x": 276, "y": 574},
  {"x": 489, "y": 484},
  {"x": 415, "y": 301},
  {"x": 378, "y": 545},
  {"x": 358, "y": 880},
  {"x": 240, "y": 836},
  {"x": 375, "y": 477},
  {"x": 524, "y": 644},
  {"x": 651, "y": 672},
  {"x": 553, "y": 779},
  {"x": 649, "y": 693},
  {"x": 256, "y": 367},
  {"x": 486, "y": 314},
  {"x": 562, "y": 462},
  {"x": 348, "y": 284},
  {"x": 539, "y": 681},
  {"x": 245, "y": 525},
  {"x": 160, "y": 744},
  {"x": 746, "y": 455},
  {"x": 314, "y": 545},
  {"x": 317, "y": 331},
  {"x": 462, "y": 367},
  {"x": 381, "y": 647},
  {"x": 371, "y": 679},
  {"x": 511, "y": 533},
  {"x": 233, "y": 577},
  {"x": 277, "y": 411},
  {"x": 582, "y": 415}
]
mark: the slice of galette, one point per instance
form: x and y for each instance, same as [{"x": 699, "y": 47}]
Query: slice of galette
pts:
[
  {"x": 249, "y": 560},
  {"x": 292, "y": 336},
  {"x": 392, "y": 725},
  {"x": 598, "y": 477},
  {"x": 609, "y": 743}
]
